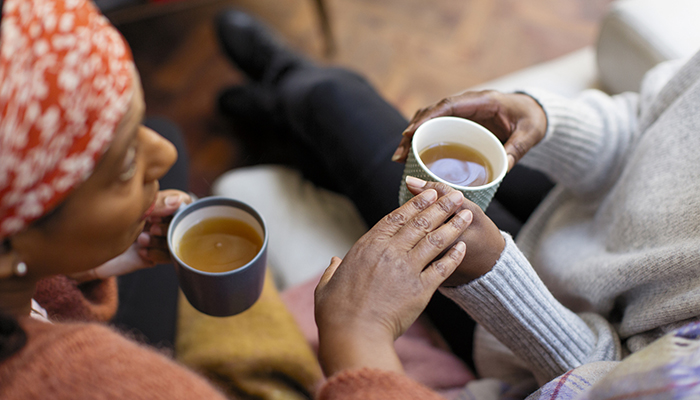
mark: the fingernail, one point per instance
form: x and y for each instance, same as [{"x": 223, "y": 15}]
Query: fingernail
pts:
[
  {"x": 156, "y": 230},
  {"x": 430, "y": 195},
  {"x": 456, "y": 197},
  {"x": 397, "y": 154},
  {"x": 460, "y": 247},
  {"x": 466, "y": 215},
  {"x": 143, "y": 239},
  {"x": 511, "y": 161},
  {"x": 415, "y": 182},
  {"x": 172, "y": 200}
]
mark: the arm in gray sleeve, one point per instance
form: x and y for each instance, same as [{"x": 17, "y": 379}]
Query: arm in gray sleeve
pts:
[{"x": 513, "y": 304}]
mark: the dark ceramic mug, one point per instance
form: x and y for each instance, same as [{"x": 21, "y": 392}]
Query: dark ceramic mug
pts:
[{"x": 227, "y": 293}]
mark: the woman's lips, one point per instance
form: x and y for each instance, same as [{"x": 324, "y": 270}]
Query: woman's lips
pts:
[{"x": 149, "y": 211}]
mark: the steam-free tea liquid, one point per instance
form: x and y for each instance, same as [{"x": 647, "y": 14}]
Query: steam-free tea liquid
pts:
[
  {"x": 219, "y": 245},
  {"x": 457, "y": 163}
]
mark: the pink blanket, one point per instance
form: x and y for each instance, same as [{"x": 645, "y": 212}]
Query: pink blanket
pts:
[{"x": 425, "y": 356}]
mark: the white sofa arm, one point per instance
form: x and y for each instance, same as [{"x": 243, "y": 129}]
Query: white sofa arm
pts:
[
  {"x": 635, "y": 35},
  {"x": 567, "y": 75}
]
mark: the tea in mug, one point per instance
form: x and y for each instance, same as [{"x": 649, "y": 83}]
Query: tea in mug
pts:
[
  {"x": 219, "y": 245},
  {"x": 457, "y": 163}
]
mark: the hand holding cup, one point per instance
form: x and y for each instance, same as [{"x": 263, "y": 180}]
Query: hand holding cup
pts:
[
  {"x": 460, "y": 153},
  {"x": 516, "y": 119}
]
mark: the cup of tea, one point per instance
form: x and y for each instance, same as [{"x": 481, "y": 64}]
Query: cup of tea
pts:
[
  {"x": 460, "y": 153},
  {"x": 219, "y": 246}
]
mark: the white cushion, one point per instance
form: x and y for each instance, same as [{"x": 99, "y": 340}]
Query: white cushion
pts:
[{"x": 636, "y": 35}]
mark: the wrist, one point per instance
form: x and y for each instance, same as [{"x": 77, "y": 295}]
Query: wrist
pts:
[
  {"x": 342, "y": 349},
  {"x": 484, "y": 256}
]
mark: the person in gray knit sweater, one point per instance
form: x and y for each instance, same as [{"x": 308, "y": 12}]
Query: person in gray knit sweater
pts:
[
  {"x": 605, "y": 265},
  {"x": 610, "y": 260}
]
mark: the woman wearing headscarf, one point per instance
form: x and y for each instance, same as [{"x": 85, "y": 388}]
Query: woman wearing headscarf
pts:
[{"x": 79, "y": 200}]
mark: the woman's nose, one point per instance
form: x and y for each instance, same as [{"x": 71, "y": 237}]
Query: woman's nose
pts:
[{"x": 160, "y": 154}]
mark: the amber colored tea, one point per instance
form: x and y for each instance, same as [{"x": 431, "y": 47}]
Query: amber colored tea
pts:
[
  {"x": 219, "y": 245},
  {"x": 457, "y": 163}
]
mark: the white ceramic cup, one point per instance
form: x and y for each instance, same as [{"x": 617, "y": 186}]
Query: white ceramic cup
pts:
[{"x": 462, "y": 131}]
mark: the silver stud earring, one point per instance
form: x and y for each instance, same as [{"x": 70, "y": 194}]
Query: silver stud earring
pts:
[{"x": 20, "y": 269}]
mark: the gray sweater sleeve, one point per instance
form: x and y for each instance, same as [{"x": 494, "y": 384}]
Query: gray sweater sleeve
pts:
[
  {"x": 587, "y": 138},
  {"x": 513, "y": 304}
]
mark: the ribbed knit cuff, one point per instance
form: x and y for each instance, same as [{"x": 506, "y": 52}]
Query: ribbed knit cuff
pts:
[
  {"x": 514, "y": 305},
  {"x": 572, "y": 142},
  {"x": 374, "y": 384}
]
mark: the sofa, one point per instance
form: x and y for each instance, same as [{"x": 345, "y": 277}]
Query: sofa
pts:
[{"x": 313, "y": 224}]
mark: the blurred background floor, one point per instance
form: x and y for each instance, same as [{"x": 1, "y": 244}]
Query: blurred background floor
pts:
[{"x": 414, "y": 51}]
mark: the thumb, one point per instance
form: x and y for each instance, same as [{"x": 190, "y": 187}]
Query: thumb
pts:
[
  {"x": 519, "y": 143},
  {"x": 328, "y": 273}
]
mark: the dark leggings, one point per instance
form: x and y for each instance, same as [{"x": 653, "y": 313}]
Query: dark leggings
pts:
[
  {"x": 148, "y": 298},
  {"x": 350, "y": 133}
]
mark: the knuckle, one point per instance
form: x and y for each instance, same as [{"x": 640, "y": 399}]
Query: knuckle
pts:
[
  {"x": 445, "y": 205},
  {"x": 420, "y": 203},
  {"x": 446, "y": 104},
  {"x": 519, "y": 147},
  {"x": 490, "y": 93},
  {"x": 436, "y": 239},
  {"x": 458, "y": 223},
  {"x": 454, "y": 256},
  {"x": 395, "y": 218},
  {"x": 443, "y": 188},
  {"x": 441, "y": 268},
  {"x": 420, "y": 222}
]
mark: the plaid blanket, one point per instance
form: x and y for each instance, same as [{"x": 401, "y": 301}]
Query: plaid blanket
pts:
[{"x": 669, "y": 368}]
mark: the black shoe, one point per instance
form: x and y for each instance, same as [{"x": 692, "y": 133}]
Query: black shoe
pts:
[{"x": 254, "y": 47}]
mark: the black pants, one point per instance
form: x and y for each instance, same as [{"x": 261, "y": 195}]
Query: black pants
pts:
[
  {"x": 148, "y": 298},
  {"x": 350, "y": 132}
]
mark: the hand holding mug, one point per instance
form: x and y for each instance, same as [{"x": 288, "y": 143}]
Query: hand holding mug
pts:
[
  {"x": 153, "y": 242},
  {"x": 516, "y": 119},
  {"x": 369, "y": 299}
]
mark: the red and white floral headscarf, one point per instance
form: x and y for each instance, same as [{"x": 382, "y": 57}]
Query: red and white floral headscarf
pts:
[{"x": 66, "y": 81}]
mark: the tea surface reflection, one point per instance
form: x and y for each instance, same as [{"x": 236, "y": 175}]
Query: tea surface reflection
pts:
[{"x": 457, "y": 163}]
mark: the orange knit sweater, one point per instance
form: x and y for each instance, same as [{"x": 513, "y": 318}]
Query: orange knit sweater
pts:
[{"x": 78, "y": 360}]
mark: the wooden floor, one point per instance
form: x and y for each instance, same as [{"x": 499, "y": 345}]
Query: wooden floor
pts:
[{"x": 414, "y": 51}]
